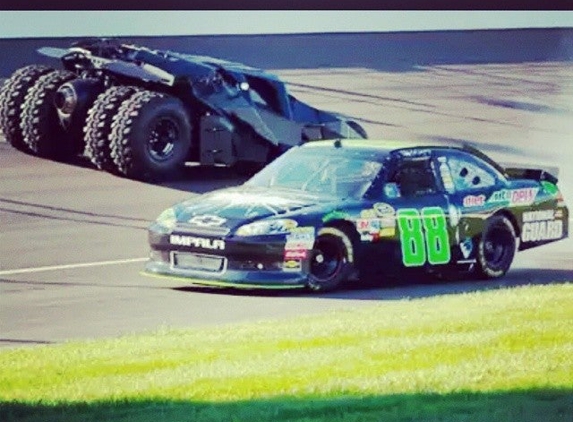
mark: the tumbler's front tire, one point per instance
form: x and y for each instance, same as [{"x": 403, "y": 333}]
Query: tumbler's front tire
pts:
[{"x": 151, "y": 136}]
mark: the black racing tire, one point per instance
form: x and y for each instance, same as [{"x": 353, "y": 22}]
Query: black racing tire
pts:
[
  {"x": 331, "y": 262},
  {"x": 12, "y": 96},
  {"x": 495, "y": 248},
  {"x": 40, "y": 124},
  {"x": 97, "y": 129},
  {"x": 150, "y": 137}
]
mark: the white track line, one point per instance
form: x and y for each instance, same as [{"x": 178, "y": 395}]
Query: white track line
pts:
[{"x": 70, "y": 266}]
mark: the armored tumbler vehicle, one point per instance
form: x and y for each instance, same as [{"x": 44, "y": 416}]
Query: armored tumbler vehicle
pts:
[{"x": 144, "y": 113}]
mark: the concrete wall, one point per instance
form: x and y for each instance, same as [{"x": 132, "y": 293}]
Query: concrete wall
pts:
[{"x": 399, "y": 52}]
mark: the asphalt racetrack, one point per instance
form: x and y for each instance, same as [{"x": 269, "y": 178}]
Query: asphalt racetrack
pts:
[{"x": 73, "y": 240}]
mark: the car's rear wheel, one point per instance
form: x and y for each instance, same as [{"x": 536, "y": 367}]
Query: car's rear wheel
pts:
[
  {"x": 40, "y": 124},
  {"x": 496, "y": 248},
  {"x": 151, "y": 136},
  {"x": 12, "y": 96},
  {"x": 98, "y": 125},
  {"x": 331, "y": 260}
]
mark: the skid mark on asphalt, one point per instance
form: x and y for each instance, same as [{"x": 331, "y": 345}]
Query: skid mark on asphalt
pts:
[
  {"x": 77, "y": 220},
  {"x": 71, "y": 211},
  {"x": 65, "y": 214}
]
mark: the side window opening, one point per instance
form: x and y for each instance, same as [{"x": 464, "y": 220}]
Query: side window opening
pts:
[
  {"x": 415, "y": 177},
  {"x": 469, "y": 175}
]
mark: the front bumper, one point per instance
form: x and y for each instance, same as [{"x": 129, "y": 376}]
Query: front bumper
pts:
[{"x": 248, "y": 263}]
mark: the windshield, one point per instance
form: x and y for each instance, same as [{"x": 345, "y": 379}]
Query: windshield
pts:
[{"x": 332, "y": 172}]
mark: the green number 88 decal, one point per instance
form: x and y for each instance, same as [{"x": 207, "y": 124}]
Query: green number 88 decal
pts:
[{"x": 423, "y": 236}]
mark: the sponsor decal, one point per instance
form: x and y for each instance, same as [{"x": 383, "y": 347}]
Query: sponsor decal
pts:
[
  {"x": 369, "y": 213},
  {"x": 454, "y": 215},
  {"x": 292, "y": 265},
  {"x": 295, "y": 254},
  {"x": 368, "y": 225},
  {"x": 550, "y": 188},
  {"x": 371, "y": 229},
  {"x": 334, "y": 215},
  {"x": 466, "y": 247},
  {"x": 415, "y": 152},
  {"x": 391, "y": 190},
  {"x": 542, "y": 230},
  {"x": 473, "y": 201},
  {"x": 197, "y": 242},
  {"x": 446, "y": 175},
  {"x": 300, "y": 238},
  {"x": 523, "y": 196},
  {"x": 538, "y": 215},
  {"x": 207, "y": 220},
  {"x": 382, "y": 209},
  {"x": 387, "y": 232}
]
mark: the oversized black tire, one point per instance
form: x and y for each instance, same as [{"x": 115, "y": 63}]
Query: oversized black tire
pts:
[
  {"x": 495, "y": 248},
  {"x": 40, "y": 124},
  {"x": 97, "y": 129},
  {"x": 150, "y": 137},
  {"x": 12, "y": 96},
  {"x": 332, "y": 260}
]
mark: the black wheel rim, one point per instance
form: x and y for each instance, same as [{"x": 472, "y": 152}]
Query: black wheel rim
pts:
[
  {"x": 162, "y": 139},
  {"x": 327, "y": 260},
  {"x": 497, "y": 244}
]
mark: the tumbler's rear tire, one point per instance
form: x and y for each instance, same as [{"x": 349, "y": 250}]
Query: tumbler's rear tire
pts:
[
  {"x": 12, "y": 96},
  {"x": 40, "y": 124}
]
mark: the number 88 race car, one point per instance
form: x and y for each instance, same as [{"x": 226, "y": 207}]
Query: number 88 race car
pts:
[{"x": 333, "y": 212}]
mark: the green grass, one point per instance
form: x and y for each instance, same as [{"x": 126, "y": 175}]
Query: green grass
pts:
[{"x": 503, "y": 355}]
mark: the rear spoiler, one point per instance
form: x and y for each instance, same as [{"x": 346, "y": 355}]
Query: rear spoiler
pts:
[{"x": 540, "y": 173}]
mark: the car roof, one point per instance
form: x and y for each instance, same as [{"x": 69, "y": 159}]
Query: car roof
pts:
[{"x": 384, "y": 147}]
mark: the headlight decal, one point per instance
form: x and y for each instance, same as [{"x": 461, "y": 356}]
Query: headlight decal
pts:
[
  {"x": 267, "y": 227},
  {"x": 167, "y": 219}
]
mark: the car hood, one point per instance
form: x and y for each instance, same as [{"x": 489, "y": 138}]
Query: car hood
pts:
[{"x": 229, "y": 208}]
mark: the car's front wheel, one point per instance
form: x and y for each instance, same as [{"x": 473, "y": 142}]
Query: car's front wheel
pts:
[
  {"x": 331, "y": 260},
  {"x": 496, "y": 248}
]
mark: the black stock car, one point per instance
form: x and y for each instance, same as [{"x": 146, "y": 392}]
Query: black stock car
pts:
[
  {"x": 143, "y": 113},
  {"x": 330, "y": 212}
]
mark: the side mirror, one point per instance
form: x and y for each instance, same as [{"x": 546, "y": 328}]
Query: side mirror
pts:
[{"x": 391, "y": 190}]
